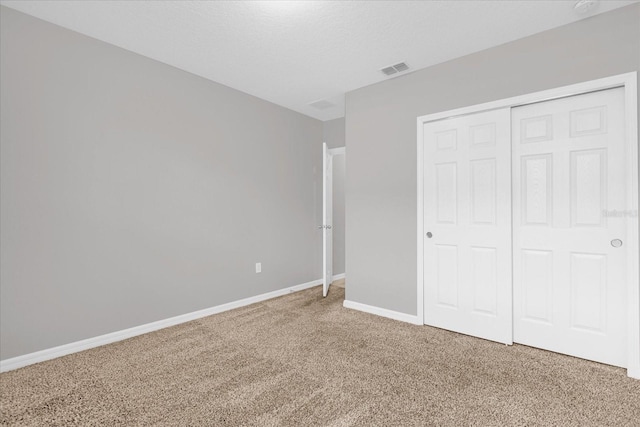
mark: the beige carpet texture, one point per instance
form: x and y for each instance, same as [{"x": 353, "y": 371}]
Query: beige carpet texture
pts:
[{"x": 304, "y": 360}]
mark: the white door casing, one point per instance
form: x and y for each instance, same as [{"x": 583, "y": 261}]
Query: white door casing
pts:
[
  {"x": 568, "y": 181},
  {"x": 467, "y": 225},
  {"x": 327, "y": 219}
]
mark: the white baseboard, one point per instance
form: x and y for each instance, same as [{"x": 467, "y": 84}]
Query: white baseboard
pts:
[
  {"x": 395, "y": 315},
  {"x": 339, "y": 276},
  {"x": 74, "y": 347}
]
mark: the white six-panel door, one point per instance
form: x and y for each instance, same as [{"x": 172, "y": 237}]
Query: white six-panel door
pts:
[
  {"x": 569, "y": 182},
  {"x": 467, "y": 225}
]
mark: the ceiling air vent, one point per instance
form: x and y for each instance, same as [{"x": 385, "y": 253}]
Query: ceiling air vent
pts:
[
  {"x": 398, "y": 68},
  {"x": 388, "y": 71},
  {"x": 401, "y": 67},
  {"x": 323, "y": 104},
  {"x": 581, "y": 7}
]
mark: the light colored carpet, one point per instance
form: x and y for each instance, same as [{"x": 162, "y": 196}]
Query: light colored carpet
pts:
[{"x": 302, "y": 360}]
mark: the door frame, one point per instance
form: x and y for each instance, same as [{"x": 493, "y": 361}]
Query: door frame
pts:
[
  {"x": 629, "y": 81},
  {"x": 328, "y": 155}
]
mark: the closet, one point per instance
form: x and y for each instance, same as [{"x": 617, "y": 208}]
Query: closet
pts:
[{"x": 525, "y": 225}]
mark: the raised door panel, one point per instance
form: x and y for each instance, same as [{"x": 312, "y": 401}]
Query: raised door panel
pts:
[
  {"x": 588, "y": 292},
  {"x": 483, "y": 191},
  {"x": 588, "y": 187},
  {"x": 482, "y": 135},
  {"x": 485, "y": 280},
  {"x": 536, "y": 129},
  {"x": 447, "y": 140},
  {"x": 589, "y": 121},
  {"x": 537, "y": 189},
  {"x": 447, "y": 275},
  {"x": 537, "y": 285},
  {"x": 447, "y": 191}
]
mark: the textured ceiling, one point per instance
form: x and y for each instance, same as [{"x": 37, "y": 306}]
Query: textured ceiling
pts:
[{"x": 297, "y": 53}]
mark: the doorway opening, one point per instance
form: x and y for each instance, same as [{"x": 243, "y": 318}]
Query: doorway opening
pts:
[{"x": 333, "y": 223}]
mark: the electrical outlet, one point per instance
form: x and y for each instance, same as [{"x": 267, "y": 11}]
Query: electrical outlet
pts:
[{"x": 258, "y": 267}]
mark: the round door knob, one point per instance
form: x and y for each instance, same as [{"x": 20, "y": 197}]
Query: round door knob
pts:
[
  {"x": 616, "y": 243},
  {"x": 429, "y": 234},
  {"x": 329, "y": 227}
]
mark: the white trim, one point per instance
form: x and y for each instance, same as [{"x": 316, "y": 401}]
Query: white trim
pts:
[
  {"x": 629, "y": 82},
  {"x": 395, "y": 315},
  {"x": 530, "y": 98},
  {"x": 633, "y": 253},
  {"x": 74, "y": 347},
  {"x": 420, "y": 219},
  {"x": 339, "y": 276}
]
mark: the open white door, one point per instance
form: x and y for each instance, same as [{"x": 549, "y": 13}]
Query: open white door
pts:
[
  {"x": 327, "y": 220},
  {"x": 467, "y": 225}
]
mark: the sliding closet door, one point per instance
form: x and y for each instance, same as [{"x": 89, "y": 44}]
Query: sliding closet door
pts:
[
  {"x": 467, "y": 225},
  {"x": 569, "y": 254}
]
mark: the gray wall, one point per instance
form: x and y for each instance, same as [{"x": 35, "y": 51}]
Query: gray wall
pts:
[
  {"x": 333, "y": 135},
  {"x": 333, "y": 132},
  {"x": 381, "y": 136},
  {"x": 132, "y": 191}
]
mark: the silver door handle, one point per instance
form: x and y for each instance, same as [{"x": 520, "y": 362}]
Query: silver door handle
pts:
[
  {"x": 616, "y": 243},
  {"x": 429, "y": 234}
]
